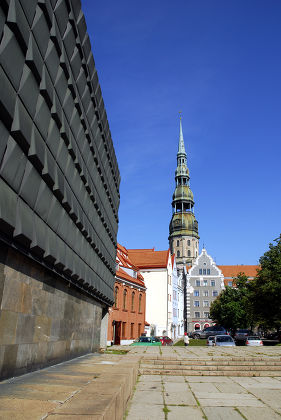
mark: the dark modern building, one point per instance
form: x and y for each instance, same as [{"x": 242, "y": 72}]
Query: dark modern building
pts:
[{"x": 59, "y": 188}]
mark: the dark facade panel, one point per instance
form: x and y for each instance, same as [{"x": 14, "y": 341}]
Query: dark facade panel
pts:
[{"x": 59, "y": 176}]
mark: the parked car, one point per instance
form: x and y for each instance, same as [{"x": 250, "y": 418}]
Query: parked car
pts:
[
  {"x": 147, "y": 341},
  {"x": 224, "y": 340},
  {"x": 210, "y": 340},
  {"x": 241, "y": 335},
  {"x": 254, "y": 340},
  {"x": 165, "y": 340},
  {"x": 214, "y": 330},
  {"x": 274, "y": 336}
]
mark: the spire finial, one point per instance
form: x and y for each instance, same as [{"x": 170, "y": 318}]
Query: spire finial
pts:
[{"x": 181, "y": 149}]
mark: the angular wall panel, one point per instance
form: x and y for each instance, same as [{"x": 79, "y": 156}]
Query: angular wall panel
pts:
[{"x": 59, "y": 176}]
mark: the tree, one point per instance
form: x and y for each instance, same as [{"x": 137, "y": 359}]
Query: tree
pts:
[
  {"x": 233, "y": 308},
  {"x": 266, "y": 288}
]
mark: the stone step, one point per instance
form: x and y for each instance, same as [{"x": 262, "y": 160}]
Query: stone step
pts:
[
  {"x": 210, "y": 368},
  {"x": 185, "y": 372},
  {"x": 234, "y": 359},
  {"x": 243, "y": 364}
]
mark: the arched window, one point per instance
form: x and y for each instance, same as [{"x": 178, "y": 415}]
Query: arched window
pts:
[
  {"x": 133, "y": 301},
  {"x": 178, "y": 253},
  {"x": 188, "y": 242},
  {"x": 178, "y": 243},
  {"x": 140, "y": 299},
  {"x": 124, "y": 299},
  {"x": 116, "y": 297},
  {"x": 188, "y": 253}
]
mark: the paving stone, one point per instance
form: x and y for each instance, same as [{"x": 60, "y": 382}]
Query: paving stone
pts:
[
  {"x": 270, "y": 397},
  {"x": 149, "y": 386},
  {"x": 174, "y": 379},
  {"x": 177, "y": 412},
  {"x": 180, "y": 397},
  {"x": 204, "y": 387},
  {"x": 259, "y": 413},
  {"x": 222, "y": 413},
  {"x": 146, "y": 412},
  {"x": 231, "y": 388},
  {"x": 148, "y": 397},
  {"x": 228, "y": 400},
  {"x": 207, "y": 379}
]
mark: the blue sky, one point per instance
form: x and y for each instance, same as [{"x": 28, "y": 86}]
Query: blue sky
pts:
[{"x": 219, "y": 62}]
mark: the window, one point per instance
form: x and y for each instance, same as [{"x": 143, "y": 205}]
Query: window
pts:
[
  {"x": 196, "y": 303},
  {"x": 200, "y": 271},
  {"x": 215, "y": 293},
  {"x": 188, "y": 253},
  {"x": 230, "y": 284},
  {"x": 139, "y": 330},
  {"x": 205, "y": 303},
  {"x": 206, "y": 293},
  {"x": 196, "y": 314},
  {"x": 133, "y": 302},
  {"x": 124, "y": 299},
  {"x": 123, "y": 329},
  {"x": 204, "y": 271},
  {"x": 132, "y": 330},
  {"x": 197, "y": 283},
  {"x": 206, "y": 315},
  {"x": 116, "y": 297},
  {"x": 213, "y": 283},
  {"x": 178, "y": 243},
  {"x": 188, "y": 242},
  {"x": 140, "y": 299},
  {"x": 205, "y": 282},
  {"x": 178, "y": 253},
  {"x": 196, "y": 292},
  {"x": 208, "y": 271}
]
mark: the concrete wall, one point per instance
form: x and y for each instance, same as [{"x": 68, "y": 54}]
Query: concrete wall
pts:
[
  {"x": 59, "y": 187},
  {"x": 42, "y": 320}
]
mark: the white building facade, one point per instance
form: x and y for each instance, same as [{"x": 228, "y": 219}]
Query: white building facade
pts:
[
  {"x": 204, "y": 282},
  {"x": 156, "y": 269}
]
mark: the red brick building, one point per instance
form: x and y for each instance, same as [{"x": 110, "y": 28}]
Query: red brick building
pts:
[{"x": 127, "y": 316}]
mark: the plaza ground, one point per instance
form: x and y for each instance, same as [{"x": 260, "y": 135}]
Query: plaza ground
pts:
[{"x": 149, "y": 383}]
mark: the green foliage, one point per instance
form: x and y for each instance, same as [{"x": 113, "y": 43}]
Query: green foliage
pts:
[
  {"x": 233, "y": 308},
  {"x": 256, "y": 302},
  {"x": 192, "y": 342},
  {"x": 266, "y": 288}
]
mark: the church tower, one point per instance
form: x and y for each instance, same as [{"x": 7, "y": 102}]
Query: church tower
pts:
[{"x": 183, "y": 231}]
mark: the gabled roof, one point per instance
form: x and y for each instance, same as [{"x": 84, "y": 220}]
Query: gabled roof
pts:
[
  {"x": 149, "y": 258},
  {"x": 121, "y": 274},
  {"x": 230, "y": 271},
  {"x": 124, "y": 261}
]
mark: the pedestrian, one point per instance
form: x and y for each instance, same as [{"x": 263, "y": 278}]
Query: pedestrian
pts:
[{"x": 186, "y": 339}]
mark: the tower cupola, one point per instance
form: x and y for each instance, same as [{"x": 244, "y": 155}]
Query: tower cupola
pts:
[{"x": 183, "y": 231}]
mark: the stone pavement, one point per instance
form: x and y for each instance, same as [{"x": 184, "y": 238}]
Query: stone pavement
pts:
[
  {"x": 170, "y": 397},
  {"x": 99, "y": 387}
]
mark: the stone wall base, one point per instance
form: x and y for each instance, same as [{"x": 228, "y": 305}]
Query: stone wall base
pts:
[{"x": 43, "y": 320}]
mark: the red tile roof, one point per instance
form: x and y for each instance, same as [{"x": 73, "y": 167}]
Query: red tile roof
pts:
[
  {"x": 121, "y": 274},
  {"x": 234, "y": 270},
  {"x": 149, "y": 258}
]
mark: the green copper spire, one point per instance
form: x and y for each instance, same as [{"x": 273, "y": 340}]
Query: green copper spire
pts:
[{"x": 183, "y": 229}]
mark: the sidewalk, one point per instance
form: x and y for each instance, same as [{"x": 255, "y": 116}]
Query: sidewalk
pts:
[{"x": 94, "y": 386}]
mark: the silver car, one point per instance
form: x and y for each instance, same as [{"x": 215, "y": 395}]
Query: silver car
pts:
[
  {"x": 210, "y": 340},
  {"x": 224, "y": 340},
  {"x": 254, "y": 340}
]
